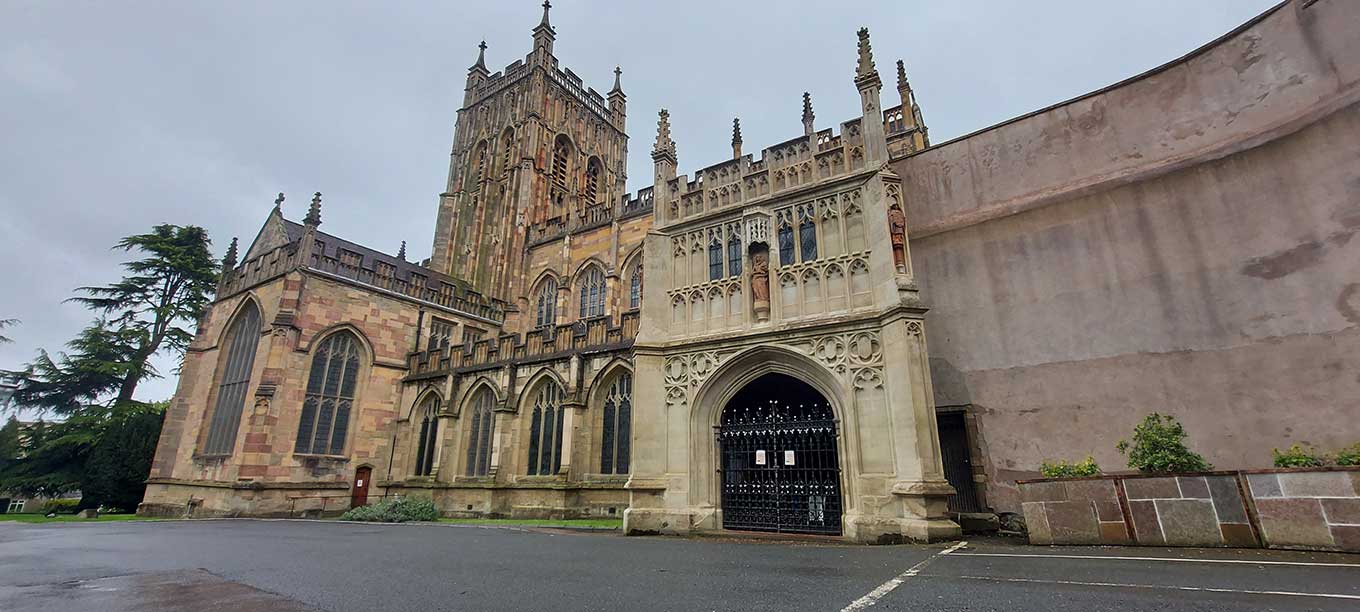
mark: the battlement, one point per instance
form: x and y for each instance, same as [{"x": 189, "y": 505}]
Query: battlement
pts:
[
  {"x": 628, "y": 206},
  {"x": 589, "y": 335}
]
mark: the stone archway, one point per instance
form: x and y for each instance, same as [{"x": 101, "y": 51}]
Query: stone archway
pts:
[{"x": 779, "y": 465}]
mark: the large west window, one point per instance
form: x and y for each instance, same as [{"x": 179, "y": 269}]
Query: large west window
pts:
[
  {"x": 428, "y": 413},
  {"x": 480, "y": 429},
  {"x": 616, "y": 432},
  {"x": 545, "y": 431},
  {"x": 241, "y": 342},
  {"x": 330, "y": 396}
]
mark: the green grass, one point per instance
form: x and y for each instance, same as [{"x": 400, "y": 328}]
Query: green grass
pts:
[
  {"x": 603, "y": 523},
  {"x": 68, "y": 518}
]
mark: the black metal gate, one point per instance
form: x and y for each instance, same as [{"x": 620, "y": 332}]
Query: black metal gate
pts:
[
  {"x": 958, "y": 464},
  {"x": 780, "y": 471}
]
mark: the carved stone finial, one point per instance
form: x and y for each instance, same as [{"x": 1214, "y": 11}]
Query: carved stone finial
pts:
[
  {"x": 401, "y": 253},
  {"x": 736, "y": 137},
  {"x": 902, "y": 76},
  {"x": 278, "y": 203},
  {"x": 664, "y": 145},
  {"x": 808, "y": 115},
  {"x": 866, "y": 55},
  {"x": 313, "y": 217},
  {"x": 229, "y": 260}
]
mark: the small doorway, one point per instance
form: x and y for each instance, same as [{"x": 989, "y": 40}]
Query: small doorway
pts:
[
  {"x": 359, "y": 495},
  {"x": 958, "y": 462},
  {"x": 780, "y": 469}
]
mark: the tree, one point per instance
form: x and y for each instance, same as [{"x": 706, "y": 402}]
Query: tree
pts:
[
  {"x": 97, "y": 363},
  {"x": 118, "y": 462},
  {"x": 7, "y": 323}
]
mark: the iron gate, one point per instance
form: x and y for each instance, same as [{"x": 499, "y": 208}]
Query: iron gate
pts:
[{"x": 779, "y": 469}]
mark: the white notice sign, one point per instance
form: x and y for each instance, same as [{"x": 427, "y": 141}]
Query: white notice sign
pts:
[
  {"x": 788, "y": 457},
  {"x": 760, "y": 457}
]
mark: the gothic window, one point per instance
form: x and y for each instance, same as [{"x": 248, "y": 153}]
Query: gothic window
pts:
[
  {"x": 733, "y": 254},
  {"x": 615, "y": 435},
  {"x": 545, "y": 431},
  {"x": 715, "y": 258},
  {"x": 547, "y": 303},
  {"x": 593, "y": 178},
  {"x": 591, "y": 292},
  {"x": 240, "y": 344},
  {"x": 428, "y": 436},
  {"x": 507, "y": 151},
  {"x": 330, "y": 396},
  {"x": 635, "y": 286},
  {"x": 441, "y": 334},
  {"x": 807, "y": 235},
  {"x": 559, "y": 163},
  {"x": 480, "y": 428},
  {"x": 478, "y": 165},
  {"x": 785, "y": 243}
]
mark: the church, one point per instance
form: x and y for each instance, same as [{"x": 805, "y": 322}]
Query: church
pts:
[{"x": 745, "y": 348}]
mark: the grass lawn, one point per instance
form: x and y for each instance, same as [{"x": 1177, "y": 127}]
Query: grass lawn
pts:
[
  {"x": 68, "y": 518},
  {"x": 602, "y": 523}
]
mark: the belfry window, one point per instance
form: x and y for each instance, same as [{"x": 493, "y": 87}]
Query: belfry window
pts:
[
  {"x": 559, "y": 164},
  {"x": 547, "y": 303},
  {"x": 480, "y": 429},
  {"x": 478, "y": 165},
  {"x": 593, "y": 181},
  {"x": 507, "y": 151},
  {"x": 428, "y": 435},
  {"x": 330, "y": 396},
  {"x": 545, "y": 431},
  {"x": 241, "y": 343},
  {"x": 617, "y": 430},
  {"x": 591, "y": 293}
]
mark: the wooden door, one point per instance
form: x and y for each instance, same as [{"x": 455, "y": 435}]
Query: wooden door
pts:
[{"x": 359, "y": 496}]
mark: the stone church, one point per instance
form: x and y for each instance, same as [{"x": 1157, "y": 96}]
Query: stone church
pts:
[{"x": 745, "y": 348}]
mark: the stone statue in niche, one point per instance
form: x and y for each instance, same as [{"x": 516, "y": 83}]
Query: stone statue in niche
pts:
[
  {"x": 897, "y": 227},
  {"x": 760, "y": 280}
]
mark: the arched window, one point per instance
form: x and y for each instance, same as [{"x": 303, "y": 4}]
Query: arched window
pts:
[
  {"x": 547, "y": 303},
  {"x": 241, "y": 342},
  {"x": 734, "y": 254},
  {"x": 590, "y": 293},
  {"x": 478, "y": 165},
  {"x": 593, "y": 174},
  {"x": 428, "y": 436},
  {"x": 480, "y": 428},
  {"x": 616, "y": 433},
  {"x": 330, "y": 396},
  {"x": 561, "y": 150},
  {"x": 545, "y": 431},
  {"x": 715, "y": 260},
  {"x": 785, "y": 243},
  {"x": 635, "y": 285},
  {"x": 807, "y": 234},
  {"x": 507, "y": 150}
]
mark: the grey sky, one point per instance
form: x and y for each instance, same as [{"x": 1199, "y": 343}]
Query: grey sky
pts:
[{"x": 117, "y": 116}]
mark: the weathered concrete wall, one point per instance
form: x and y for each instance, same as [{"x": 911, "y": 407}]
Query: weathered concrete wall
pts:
[{"x": 1181, "y": 242}]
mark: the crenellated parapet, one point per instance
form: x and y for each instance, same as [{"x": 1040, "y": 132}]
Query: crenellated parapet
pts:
[{"x": 594, "y": 335}]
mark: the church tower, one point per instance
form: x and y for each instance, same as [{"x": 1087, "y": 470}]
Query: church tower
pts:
[{"x": 536, "y": 154}]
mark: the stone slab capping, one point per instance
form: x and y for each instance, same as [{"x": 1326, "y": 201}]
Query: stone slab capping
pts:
[{"x": 1300, "y": 508}]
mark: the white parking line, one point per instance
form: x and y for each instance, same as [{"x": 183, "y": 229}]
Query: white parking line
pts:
[
  {"x": 883, "y": 589},
  {"x": 1158, "y": 586},
  {"x": 1169, "y": 559}
]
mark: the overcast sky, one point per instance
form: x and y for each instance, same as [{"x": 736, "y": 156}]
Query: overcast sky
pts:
[{"x": 115, "y": 116}]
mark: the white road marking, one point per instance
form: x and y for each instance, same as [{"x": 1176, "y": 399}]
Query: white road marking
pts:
[
  {"x": 1158, "y": 586},
  {"x": 1169, "y": 559},
  {"x": 883, "y": 589}
]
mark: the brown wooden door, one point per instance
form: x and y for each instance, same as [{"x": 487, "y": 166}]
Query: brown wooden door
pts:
[{"x": 359, "y": 496}]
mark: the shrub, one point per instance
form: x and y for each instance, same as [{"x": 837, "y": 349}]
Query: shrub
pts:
[
  {"x": 1348, "y": 456},
  {"x": 1159, "y": 447},
  {"x": 1063, "y": 469},
  {"x": 61, "y": 506},
  {"x": 398, "y": 510},
  {"x": 1297, "y": 456}
]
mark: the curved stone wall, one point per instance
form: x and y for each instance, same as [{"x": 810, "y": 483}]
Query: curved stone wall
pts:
[{"x": 1180, "y": 242}]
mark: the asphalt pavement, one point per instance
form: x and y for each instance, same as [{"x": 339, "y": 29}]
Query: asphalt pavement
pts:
[{"x": 287, "y": 566}]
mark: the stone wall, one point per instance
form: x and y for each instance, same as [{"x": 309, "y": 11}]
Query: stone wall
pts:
[
  {"x": 1181, "y": 242},
  {"x": 1314, "y": 509}
]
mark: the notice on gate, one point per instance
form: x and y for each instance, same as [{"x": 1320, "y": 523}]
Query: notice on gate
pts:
[
  {"x": 760, "y": 457},
  {"x": 788, "y": 457}
]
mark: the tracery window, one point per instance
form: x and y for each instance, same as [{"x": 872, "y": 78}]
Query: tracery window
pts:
[
  {"x": 785, "y": 243},
  {"x": 545, "y": 431},
  {"x": 591, "y": 293},
  {"x": 715, "y": 258},
  {"x": 559, "y": 163},
  {"x": 807, "y": 235},
  {"x": 635, "y": 286},
  {"x": 330, "y": 396},
  {"x": 507, "y": 151},
  {"x": 428, "y": 436},
  {"x": 616, "y": 433},
  {"x": 734, "y": 254},
  {"x": 593, "y": 181},
  {"x": 241, "y": 343},
  {"x": 547, "y": 303},
  {"x": 480, "y": 429}
]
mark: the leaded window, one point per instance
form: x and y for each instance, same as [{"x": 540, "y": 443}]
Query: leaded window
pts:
[
  {"x": 428, "y": 437},
  {"x": 635, "y": 286},
  {"x": 330, "y": 396},
  {"x": 734, "y": 254},
  {"x": 547, "y": 303},
  {"x": 807, "y": 237},
  {"x": 715, "y": 259},
  {"x": 616, "y": 433},
  {"x": 545, "y": 431},
  {"x": 559, "y": 164},
  {"x": 591, "y": 293},
  {"x": 241, "y": 343},
  {"x": 592, "y": 181},
  {"x": 480, "y": 429},
  {"x": 785, "y": 244}
]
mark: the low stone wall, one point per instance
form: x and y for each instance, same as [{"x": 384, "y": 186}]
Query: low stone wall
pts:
[{"x": 1311, "y": 508}]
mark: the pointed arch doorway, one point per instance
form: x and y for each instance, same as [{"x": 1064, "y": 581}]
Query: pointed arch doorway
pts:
[{"x": 777, "y": 440}]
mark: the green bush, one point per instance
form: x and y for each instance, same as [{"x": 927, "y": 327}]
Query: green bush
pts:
[
  {"x": 61, "y": 506},
  {"x": 397, "y": 510},
  {"x": 1348, "y": 456},
  {"x": 1063, "y": 469},
  {"x": 1297, "y": 456},
  {"x": 1159, "y": 447}
]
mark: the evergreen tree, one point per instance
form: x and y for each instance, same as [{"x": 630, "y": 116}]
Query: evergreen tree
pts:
[
  {"x": 6, "y": 323},
  {"x": 118, "y": 462}
]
